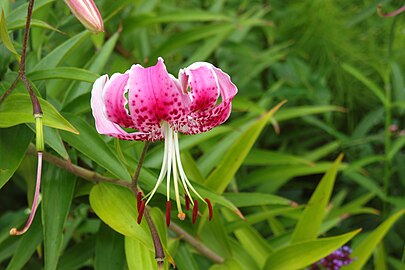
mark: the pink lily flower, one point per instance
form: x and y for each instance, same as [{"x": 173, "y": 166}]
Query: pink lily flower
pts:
[
  {"x": 159, "y": 107},
  {"x": 87, "y": 13}
]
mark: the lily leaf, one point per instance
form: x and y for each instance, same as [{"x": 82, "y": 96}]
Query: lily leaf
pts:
[
  {"x": 116, "y": 206},
  {"x": 309, "y": 224},
  {"x": 364, "y": 250},
  {"x": 300, "y": 255},
  {"x": 5, "y": 37},
  {"x": 219, "y": 179},
  {"x": 17, "y": 109}
]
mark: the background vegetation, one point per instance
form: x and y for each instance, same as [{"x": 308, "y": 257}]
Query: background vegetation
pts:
[{"x": 339, "y": 65}]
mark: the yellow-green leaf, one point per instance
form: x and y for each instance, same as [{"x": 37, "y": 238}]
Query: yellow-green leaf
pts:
[
  {"x": 17, "y": 109},
  {"x": 5, "y": 37}
]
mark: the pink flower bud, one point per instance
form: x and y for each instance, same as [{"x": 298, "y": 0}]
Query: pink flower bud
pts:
[{"x": 87, "y": 13}]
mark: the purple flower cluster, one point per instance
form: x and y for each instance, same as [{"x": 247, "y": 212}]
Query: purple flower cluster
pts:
[{"x": 334, "y": 261}]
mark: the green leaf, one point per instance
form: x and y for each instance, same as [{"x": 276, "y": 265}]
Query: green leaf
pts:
[
  {"x": 78, "y": 255},
  {"x": 116, "y": 206},
  {"x": 28, "y": 244},
  {"x": 228, "y": 264},
  {"x": 259, "y": 157},
  {"x": 300, "y": 255},
  {"x": 378, "y": 92},
  {"x": 309, "y": 224},
  {"x": 363, "y": 251},
  {"x": 57, "y": 189},
  {"x": 52, "y": 59},
  {"x": 5, "y": 37},
  {"x": 70, "y": 73},
  {"x": 219, "y": 179},
  {"x": 397, "y": 145},
  {"x": 255, "y": 199},
  {"x": 138, "y": 256},
  {"x": 295, "y": 112},
  {"x": 17, "y": 109},
  {"x": 90, "y": 143},
  {"x": 109, "y": 249},
  {"x": 34, "y": 23},
  {"x": 12, "y": 150},
  {"x": 53, "y": 140}
]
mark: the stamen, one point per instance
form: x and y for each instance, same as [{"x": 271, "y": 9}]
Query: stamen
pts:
[
  {"x": 138, "y": 200},
  {"x": 195, "y": 211},
  {"x": 168, "y": 205},
  {"x": 209, "y": 209},
  {"x": 187, "y": 199},
  {"x": 141, "y": 210},
  {"x": 14, "y": 231}
]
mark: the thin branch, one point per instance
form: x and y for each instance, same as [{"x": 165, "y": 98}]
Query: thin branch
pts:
[
  {"x": 77, "y": 170},
  {"x": 200, "y": 247},
  {"x": 159, "y": 253},
  {"x": 36, "y": 106},
  {"x": 139, "y": 167}
]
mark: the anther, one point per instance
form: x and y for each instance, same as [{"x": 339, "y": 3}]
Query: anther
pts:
[
  {"x": 181, "y": 216},
  {"x": 168, "y": 213},
  {"x": 141, "y": 210},
  {"x": 138, "y": 200},
  {"x": 211, "y": 213},
  {"x": 187, "y": 202},
  {"x": 195, "y": 211}
]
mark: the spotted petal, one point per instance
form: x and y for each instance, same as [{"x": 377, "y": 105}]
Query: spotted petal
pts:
[
  {"x": 154, "y": 96},
  {"x": 208, "y": 86},
  {"x": 103, "y": 124}
]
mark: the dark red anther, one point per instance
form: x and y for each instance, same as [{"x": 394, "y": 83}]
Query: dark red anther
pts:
[
  {"x": 168, "y": 213},
  {"x": 211, "y": 213},
  {"x": 187, "y": 202},
  {"x": 141, "y": 210},
  {"x": 138, "y": 200},
  {"x": 195, "y": 211}
]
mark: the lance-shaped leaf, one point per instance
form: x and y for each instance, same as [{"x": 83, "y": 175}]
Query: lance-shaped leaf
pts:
[
  {"x": 309, "y": 224},
  {"x": 219, "y": 179},
  {"x": 364, "y": 250},
  {"x": 116, "y": 206},
  {"x": 17, "y": 109},
  {"x": 300, "y": 255}
]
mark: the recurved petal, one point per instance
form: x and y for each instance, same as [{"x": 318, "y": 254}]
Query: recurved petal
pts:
[
  {"x": 208, "y": 115},
  {"x": 154, "y": 96},
  {"x": 104, "y": 125},
  {"x": 115, "y": 100},
  {"x": 204, "y": 87}
]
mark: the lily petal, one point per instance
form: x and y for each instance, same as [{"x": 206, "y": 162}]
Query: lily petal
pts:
[
  {"x": 209, "y": 84},
  {"x": 115, "y": 101},
  {"x": 103, "y": 124},
  {"x": 154, "y": 96}
]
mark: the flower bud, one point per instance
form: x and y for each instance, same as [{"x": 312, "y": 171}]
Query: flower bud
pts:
[{"x": 87, "y": 13}]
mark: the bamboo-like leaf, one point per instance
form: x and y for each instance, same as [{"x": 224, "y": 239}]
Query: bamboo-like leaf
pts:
[
  {"x": 138, "y": 256},
  {"x": 255, "y": 199},
  {"x": 27, "y": 246},
  {"x": 116, "y": 206},
  {"x": 90, "y": 143},
  {"x": 109, "y": 249},
  {"x": 294, "y": 112},
  {"x": 378, "y": 92},
  {"x": 12, "y": 150},
  {"x": 300, "y": 255},
  {"x": 70, "y": 73},
  {"x": 5, "y": 37},
  {"x": 57, "y": 190},
  {"x": 219, "y": 179},
  {"x": 364, "y": 250},
  {"x": 17, "y": 109},
  {"x": 309, "y": 224}
]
